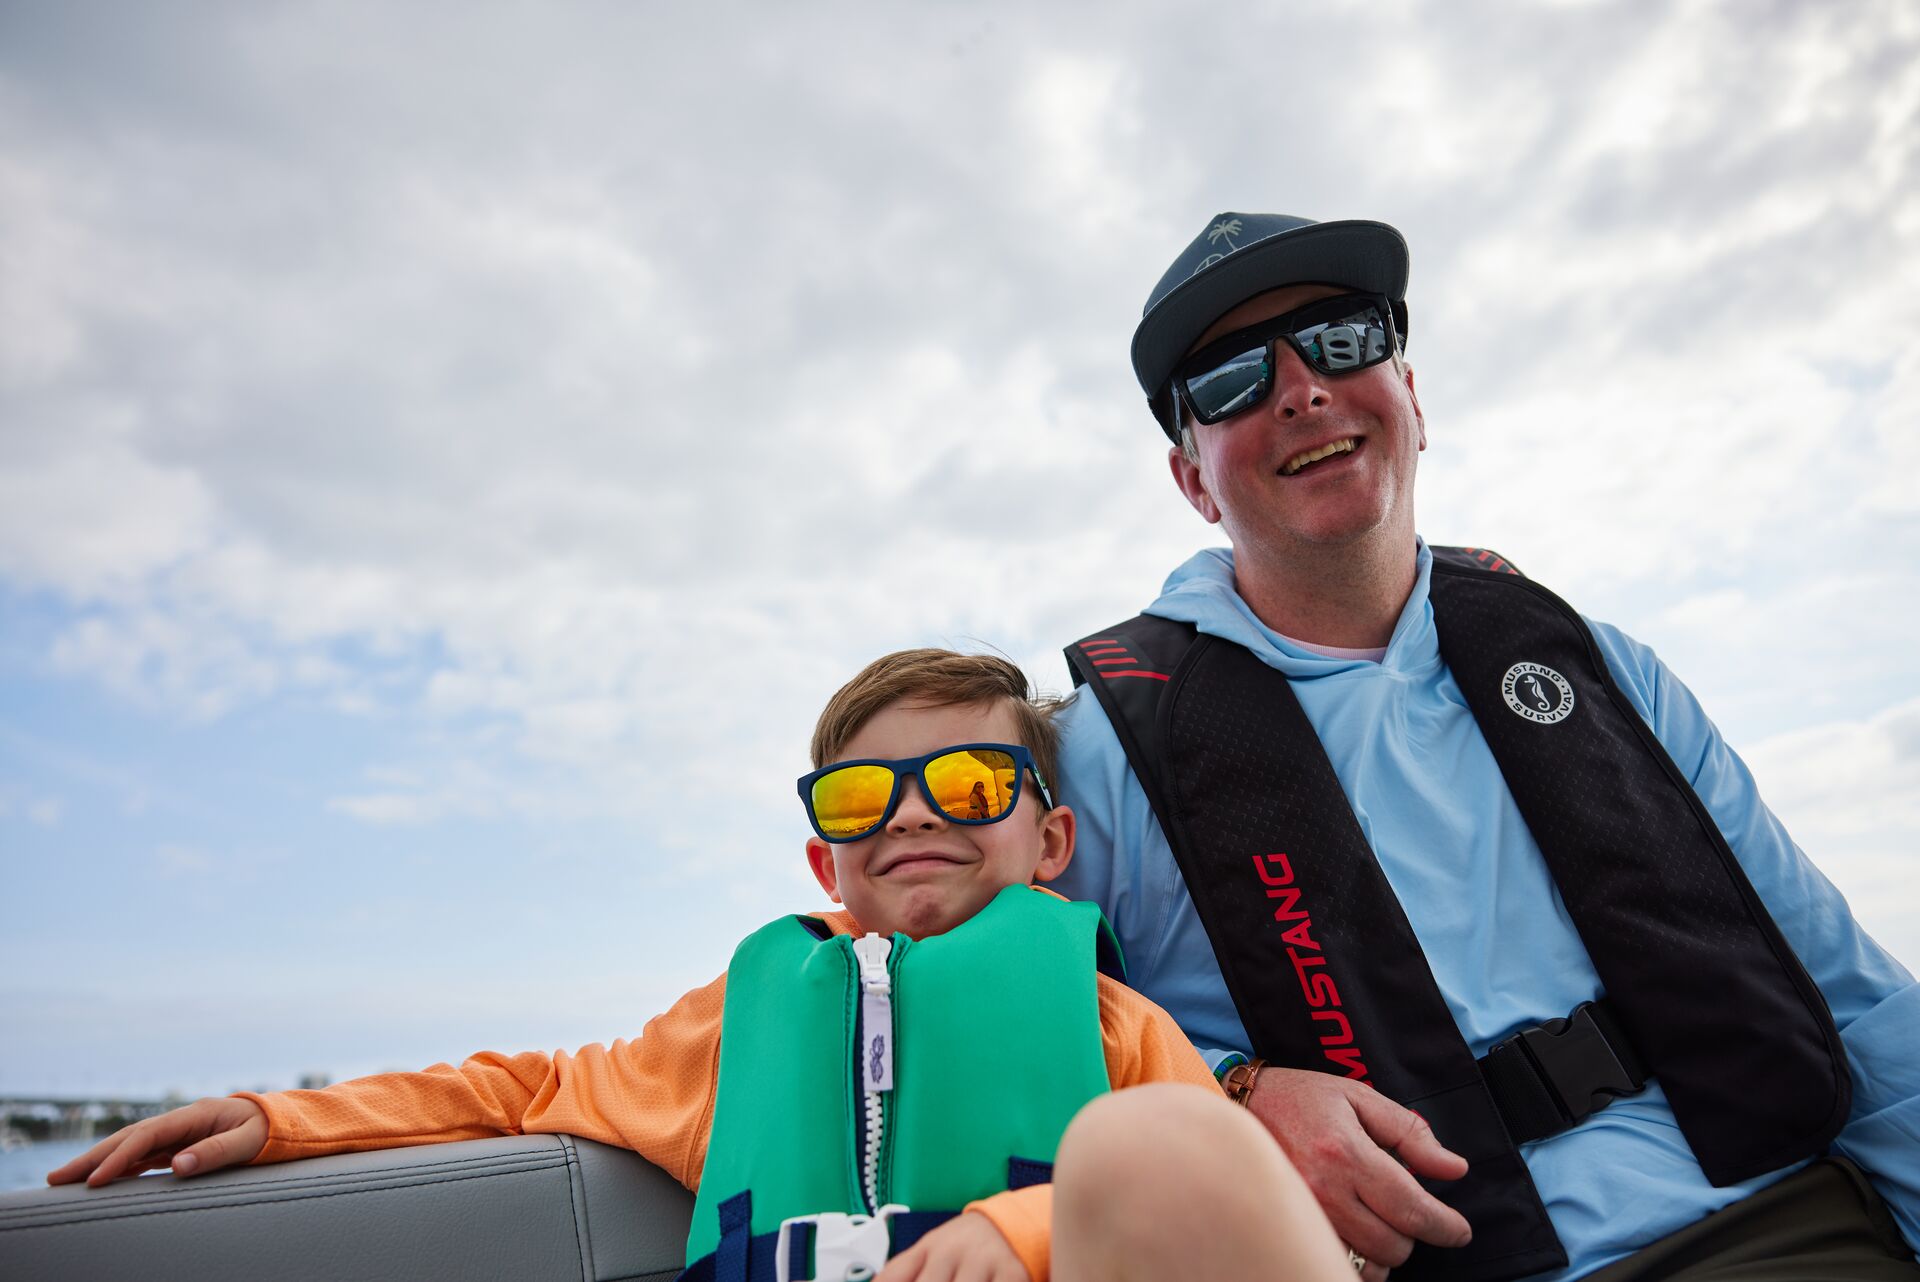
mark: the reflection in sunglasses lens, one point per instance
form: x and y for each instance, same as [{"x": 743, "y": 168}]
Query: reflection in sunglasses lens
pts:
[
  {"x": 852, "y": 801},
  {"x": 976, "y": 783},
  {"x": 1355, "y": 343},
  {"x": 1231, "y": 386},
  {"x": 1333, "y": 346}
]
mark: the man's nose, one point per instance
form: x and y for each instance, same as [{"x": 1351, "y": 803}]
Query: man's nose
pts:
[
  {"x": 913, "y": 814},
  {"x": 1298, "y": 388}
]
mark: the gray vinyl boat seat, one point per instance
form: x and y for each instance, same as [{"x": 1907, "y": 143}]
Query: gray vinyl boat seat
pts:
[{"x": 532, "y": 1206}]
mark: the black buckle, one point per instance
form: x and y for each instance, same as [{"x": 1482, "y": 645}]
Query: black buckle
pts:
[{"x": 1578, "y": 1063}]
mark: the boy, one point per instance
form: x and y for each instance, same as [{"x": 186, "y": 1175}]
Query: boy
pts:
[{"x": 777, "y": 1097}]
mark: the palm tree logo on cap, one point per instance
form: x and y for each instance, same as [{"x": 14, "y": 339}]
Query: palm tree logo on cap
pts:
[{"x": 1226, "y": 229}]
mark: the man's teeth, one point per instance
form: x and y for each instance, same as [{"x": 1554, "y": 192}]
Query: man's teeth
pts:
[{"x": 1299, "y": 461}]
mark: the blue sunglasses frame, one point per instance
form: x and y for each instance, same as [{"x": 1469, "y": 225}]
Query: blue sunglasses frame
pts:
[{"x": 915, "y": 766}]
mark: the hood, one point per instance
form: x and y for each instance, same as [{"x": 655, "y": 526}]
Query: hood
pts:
[{"x": 1202, "y": 592}]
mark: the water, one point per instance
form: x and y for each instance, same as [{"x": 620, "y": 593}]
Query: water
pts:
[{"x": 26, "y": 1168}]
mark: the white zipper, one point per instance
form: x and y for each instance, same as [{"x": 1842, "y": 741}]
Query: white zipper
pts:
[{"x": 876, "y": 1052}]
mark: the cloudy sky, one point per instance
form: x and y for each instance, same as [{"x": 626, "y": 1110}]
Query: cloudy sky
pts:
[{"x": 448, "y": 452}]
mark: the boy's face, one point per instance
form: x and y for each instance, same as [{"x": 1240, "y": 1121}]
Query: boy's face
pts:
[{"x": 921, "y": 874}]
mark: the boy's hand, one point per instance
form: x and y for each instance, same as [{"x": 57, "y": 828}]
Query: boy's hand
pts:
[
  {"x": 967, "y": 1248},
  {"x": 203, "y": 1136}
]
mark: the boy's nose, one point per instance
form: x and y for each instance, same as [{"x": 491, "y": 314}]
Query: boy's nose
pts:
[{"x": 914, "y": 813}]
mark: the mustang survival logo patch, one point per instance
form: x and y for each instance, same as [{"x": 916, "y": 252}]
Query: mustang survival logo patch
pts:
[{"x": 1537, "y": 693}]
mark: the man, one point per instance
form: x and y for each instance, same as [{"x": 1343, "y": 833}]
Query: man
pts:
[{"x": 1400, "y": 824}]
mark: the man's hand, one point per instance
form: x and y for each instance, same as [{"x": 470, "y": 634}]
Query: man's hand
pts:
[
  {"x": 967, "y": 1248},
  {"x": 202, "y": 1136},
  {"x": 1359, "y": 1151}
]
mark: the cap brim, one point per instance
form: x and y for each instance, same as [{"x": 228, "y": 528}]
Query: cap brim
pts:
[{"x": 1359, "y": 254}]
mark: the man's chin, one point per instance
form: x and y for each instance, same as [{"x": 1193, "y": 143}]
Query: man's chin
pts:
[
  {"x": 1333, "y": 533},
  {"x": 1335, "y": 527}
]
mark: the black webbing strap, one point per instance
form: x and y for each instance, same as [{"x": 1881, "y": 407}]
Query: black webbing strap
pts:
[
  {"x": 1696, "y": 969},
  {"x": 905, "y": 1228},
  {"x": 1548, "y": 1078}
]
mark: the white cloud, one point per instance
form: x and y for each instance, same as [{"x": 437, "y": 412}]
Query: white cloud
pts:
[
  {"x": 603, "y": 437},
  {"x": 201, "y": 667},
  {"x": 1821, "y": 773},
  {"x": 131, "y": 792},
  {"x": 38, "y": 809},
  {"x": 82, "y": 511},
  {"x": 588, "y": 426},
  {"x": 395, "y": 808},
  {"x": 172, "y": 859},
  {"x": 1895, "y": 446},
  {"x": 576, "y": 435},
  {"x": 1080, "y": 121},
  {"x": 1849, "y": 791}
]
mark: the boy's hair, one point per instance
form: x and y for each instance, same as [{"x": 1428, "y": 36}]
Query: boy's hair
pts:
[{"x": 939, "y": 678}]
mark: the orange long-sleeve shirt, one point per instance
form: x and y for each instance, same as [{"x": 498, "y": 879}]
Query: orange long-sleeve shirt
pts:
[{"x": 655, "y": 1094}]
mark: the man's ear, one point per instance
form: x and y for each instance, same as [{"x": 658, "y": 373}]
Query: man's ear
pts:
[
  {"x": 1418, "y": 417},
  {"x": 1186, "y": 475},
  {"x": 1056, "y": 843},
  {"x": 820, "y": 859}
]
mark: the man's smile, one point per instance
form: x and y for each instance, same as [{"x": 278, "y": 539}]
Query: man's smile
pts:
[{"x": 1317, "y": 454}]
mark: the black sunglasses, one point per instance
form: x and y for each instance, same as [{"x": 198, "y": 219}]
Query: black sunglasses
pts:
[{"x": 1234, "y": 373}]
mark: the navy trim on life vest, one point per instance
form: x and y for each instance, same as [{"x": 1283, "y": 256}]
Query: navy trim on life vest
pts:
[
  {"x": 1024, "y": 1172},
  {"x": 756, "y": 1258},
  {"x": 730, "y": 1258}
]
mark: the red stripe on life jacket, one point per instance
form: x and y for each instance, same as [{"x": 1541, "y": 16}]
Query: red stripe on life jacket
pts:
[{"x": 1483, "y": 556}]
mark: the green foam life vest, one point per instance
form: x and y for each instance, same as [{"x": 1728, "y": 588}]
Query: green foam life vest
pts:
[{"x": 995, "y": 1046}]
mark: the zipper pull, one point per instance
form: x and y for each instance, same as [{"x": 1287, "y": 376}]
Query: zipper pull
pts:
[{"x": 876, "y": 1012}]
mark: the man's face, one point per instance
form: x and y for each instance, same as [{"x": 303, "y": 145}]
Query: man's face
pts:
[
  {"x": 1248, "y": 477},
  {"x": 922, "y": 874}
]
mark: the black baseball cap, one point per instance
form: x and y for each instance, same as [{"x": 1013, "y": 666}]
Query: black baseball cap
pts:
[{"x": 1240, "y": 255}]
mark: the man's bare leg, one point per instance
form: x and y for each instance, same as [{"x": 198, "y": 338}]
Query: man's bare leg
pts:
[{"x": 1173, "y": 1182}]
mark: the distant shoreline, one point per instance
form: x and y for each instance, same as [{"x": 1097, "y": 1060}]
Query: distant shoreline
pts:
[{"x": 26, "y": 1167}]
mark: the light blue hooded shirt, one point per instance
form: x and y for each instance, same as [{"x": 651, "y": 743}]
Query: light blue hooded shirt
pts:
[{"x": 1432, "y": 803}]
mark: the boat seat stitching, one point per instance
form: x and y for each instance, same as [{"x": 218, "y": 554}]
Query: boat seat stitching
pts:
[
  {"x": 509, "y": 1165},
  {"x": 230, "y": 1206},
  {"x": 576, "y": 1176}
]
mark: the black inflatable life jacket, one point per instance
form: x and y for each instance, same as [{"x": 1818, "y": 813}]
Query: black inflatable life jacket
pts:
[{"x": 1702, "y": 991}]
